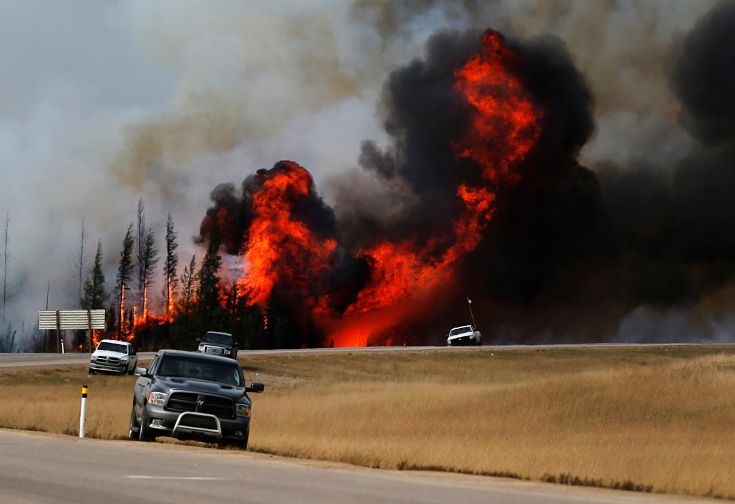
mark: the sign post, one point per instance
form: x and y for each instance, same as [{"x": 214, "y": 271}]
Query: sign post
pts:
[{"x": 62, "y": 320}]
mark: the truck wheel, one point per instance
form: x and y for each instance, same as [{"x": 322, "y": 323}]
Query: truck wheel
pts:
[
  {"x": 243, "y": 445},
  {"x": 144, "y": 432},
  {"x": 92, "y": 371},
  {"x": 133, "y": 428}
]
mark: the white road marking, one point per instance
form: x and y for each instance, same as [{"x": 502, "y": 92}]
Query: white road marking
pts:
[{"x": 189, "y": 478}]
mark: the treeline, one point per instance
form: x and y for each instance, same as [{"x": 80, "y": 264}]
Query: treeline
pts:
[{"x": 192, "y": 300}]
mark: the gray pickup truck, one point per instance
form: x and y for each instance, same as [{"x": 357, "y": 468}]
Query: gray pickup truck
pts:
[{"x": 189, "y": 395}]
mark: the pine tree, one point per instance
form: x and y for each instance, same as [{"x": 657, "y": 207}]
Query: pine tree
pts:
[
  {"x": 124, "y": 271},
  {"x": 95, "y": 295},
  {"x": 208, "y": 295},
  {"x": 140, "y": 253},
  {"x": 148, "y": 264},
  {"x": 188, "y": 285},
  {"x": 170, "y": 265},
  {"x": 80, "y": 264}
]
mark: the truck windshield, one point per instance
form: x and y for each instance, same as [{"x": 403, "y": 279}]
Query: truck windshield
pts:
[
  {"x": 201, "y": 369},
  {"x": 113, "y": 347},
  {"x": 218, "y": 339},
  {"x": 460, "y": 330}
]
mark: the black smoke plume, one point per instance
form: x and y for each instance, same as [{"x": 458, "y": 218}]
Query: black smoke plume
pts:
[{"x": 570, "y": 251}]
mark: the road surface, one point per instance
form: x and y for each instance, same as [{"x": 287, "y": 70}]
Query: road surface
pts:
[
  {"x": 42, "y": 468},
  {"x": 51, "y": 359},
  {"x": 41, "y": 359}
]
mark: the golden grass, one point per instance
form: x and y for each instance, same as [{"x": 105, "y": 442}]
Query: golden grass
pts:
[{"x": 660, "y": 419}]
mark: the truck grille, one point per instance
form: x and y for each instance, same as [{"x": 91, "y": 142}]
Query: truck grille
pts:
[
  {"x": 221, "y": 407},
  {"x": 214, "y": 350},
  {"x": 199, "y": 422},
  {"x": 108, "y": 361}
]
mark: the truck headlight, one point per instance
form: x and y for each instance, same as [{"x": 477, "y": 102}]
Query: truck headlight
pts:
[
  {"x": 242, "y": 410},
  {"x": 157, "y": 398},
  {"x": 227, "y": 352},
  {"x": 201, "y": 348}
]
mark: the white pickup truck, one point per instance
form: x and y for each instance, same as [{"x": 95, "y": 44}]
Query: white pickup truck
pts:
[
  {"x": 464, "y": 335},
  {"x": 113, "y": 356}
]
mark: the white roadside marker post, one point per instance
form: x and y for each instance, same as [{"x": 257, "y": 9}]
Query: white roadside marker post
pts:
[{"x": 83, "y": 413}]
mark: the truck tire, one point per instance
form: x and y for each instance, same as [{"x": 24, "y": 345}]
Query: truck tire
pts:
[
  {"x": 133, "y": 428},
  {"x": 243, "y": 445},
  {"x": 144, "y": 432}
]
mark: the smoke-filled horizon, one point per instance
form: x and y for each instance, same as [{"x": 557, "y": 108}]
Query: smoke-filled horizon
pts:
[{"x": 619, "y": 230}]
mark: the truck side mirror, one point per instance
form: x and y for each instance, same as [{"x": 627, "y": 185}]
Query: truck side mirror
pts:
[
  {"x": 255, "y": 387},
  {"x": 141, "y": 371}
]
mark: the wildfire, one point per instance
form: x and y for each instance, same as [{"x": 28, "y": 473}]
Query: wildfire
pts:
[
  {"x": 505, "y": 123},
  {"x": 283, "y": 248},
  {"x": 123, "y": 329},
  {"x": 96, "y": 338},
  {"x": 170, "y": 305},
  {"x": 503, "y": 127}
]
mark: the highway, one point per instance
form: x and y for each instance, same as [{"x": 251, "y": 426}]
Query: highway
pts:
[
  {"x": 42, "y": 468},
  {"x": 45, "y": 359},
  {"x": 51, "y": 359}
]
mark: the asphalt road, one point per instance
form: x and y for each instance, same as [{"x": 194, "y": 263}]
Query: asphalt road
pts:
[
  {"x": 42, "y": 359},
  {"x": 50, "y": 359},
  {"x": 41, "y": 468}
]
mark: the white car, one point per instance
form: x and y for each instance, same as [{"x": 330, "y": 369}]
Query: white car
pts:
[
  {"x": 113, "y": 356},
  {"x": 464, "y": 335}
]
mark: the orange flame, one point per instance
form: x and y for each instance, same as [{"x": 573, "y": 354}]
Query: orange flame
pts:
[
  {"x": 505, "y": 123},
  {"x": 123, "y": 329},
  {"x": 280, "y": 247},
  {"x": 504, "y": 126}
]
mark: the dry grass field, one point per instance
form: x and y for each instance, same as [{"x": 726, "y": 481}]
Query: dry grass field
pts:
[{"x": 656, "y": 419}]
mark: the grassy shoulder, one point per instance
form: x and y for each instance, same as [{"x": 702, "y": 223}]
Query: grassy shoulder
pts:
[{"x": 656, "y": 419}]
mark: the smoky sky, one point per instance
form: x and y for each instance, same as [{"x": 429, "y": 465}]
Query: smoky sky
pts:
[
  {"x": 623, "y": 217},
  {"x": 704, "y": 77}
]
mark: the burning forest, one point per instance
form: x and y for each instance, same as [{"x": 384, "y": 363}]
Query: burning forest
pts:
[{"x": 372, "y": 290}]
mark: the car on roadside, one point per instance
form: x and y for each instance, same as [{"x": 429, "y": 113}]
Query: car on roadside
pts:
[
  {"x": 463, "y": 336},
  {"x": 113, "y": 356},
  {"x": 191, "y": 395},
  {"x": 218, "y": 343}
]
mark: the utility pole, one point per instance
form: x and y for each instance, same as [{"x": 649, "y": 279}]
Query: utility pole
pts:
[
  {"x": 472, "y": 315},
  {"x": 5, "y": 266}
]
